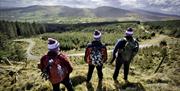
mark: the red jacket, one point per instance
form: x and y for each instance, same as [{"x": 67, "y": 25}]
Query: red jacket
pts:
[{"x": 60, "y": 59}]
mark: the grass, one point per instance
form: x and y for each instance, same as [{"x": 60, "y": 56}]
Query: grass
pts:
[
  {"x": 27, "y": 77},
  {"x": 41, "y": 48},
  {"x": 41, "y": 45},
  {"x": 32, "y": 81},
  {"x": 154, "y": 40}
]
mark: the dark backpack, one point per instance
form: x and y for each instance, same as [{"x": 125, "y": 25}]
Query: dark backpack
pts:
[
  {"x": 96, "y": 56},
  {"x": 129, "y": 50}
]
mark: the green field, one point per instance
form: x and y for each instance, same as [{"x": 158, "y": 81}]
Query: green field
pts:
[
  {"x": 21, "y": 74},
  {"x": 142, "y": 77}
]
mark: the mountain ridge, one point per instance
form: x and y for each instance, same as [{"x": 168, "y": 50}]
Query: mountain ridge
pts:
[{"x": 40, "y": 11}]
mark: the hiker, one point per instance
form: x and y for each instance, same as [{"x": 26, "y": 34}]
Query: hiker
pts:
[
  {"x": 124, "y": 51},
  {"x": 95, "y": 56},
  {"x": 55, "y": 66}
]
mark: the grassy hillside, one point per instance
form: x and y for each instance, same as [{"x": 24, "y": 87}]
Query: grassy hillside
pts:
[
  {"x": 26, "y": 76},
  {"x": 20, "y": 74},
  {"x": 77, "y": 36},
  {"x": 171, "y": 28}
]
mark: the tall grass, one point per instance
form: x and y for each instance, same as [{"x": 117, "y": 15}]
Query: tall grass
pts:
[
  {"x": 77, "y": 40},
  {"x": 171, "y": 27},
  {"x": 141, "y": 74}
]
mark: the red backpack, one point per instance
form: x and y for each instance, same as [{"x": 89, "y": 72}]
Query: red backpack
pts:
[{"x": 56, "y": 69}]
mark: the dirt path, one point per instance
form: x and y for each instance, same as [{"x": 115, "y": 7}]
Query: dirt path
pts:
[
  {"x": 151, "y": 42},
  {"x": 147, "y": 43},
  {"x": 29, "y": 54}
]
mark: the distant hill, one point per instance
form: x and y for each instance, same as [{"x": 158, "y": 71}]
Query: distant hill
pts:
[
  {"x": 110, "y": 12},
  {"x": 52, "y": 13}
]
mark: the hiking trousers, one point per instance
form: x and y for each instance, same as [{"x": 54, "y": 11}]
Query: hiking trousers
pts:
[
  {"x": 67, "y": 82},
  {"x": 99, "y": 72},
  {"x": 119, "y": 62}
]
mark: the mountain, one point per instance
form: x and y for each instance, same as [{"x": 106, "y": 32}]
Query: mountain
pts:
[
  {"x": 52, "y": 13},
  {"x": 152, "y": 14},
  {"x": 110, "y": 12}
]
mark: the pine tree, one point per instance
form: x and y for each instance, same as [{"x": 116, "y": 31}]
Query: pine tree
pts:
[
  {"x": 14, "y": 29},
  {"x": 27, "y": 30},
  {"x": 36, "y": 28},
  {"x": 42, "y": 28},
  {"x": 10, "y": 31},
  {"x": 18, "y": 29},
  {"x": 31, "y": 29}
]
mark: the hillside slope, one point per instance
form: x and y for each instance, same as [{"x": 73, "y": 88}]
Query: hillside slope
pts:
[{"x": 25, "y": 75}]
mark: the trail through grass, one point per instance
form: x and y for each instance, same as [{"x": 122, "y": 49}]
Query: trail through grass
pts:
[
  {"x": 25, "y": 75},
  {"x": 41, "y": 46}
]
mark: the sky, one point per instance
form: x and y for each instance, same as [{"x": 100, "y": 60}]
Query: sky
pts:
[{"x": 163, "y": 6}]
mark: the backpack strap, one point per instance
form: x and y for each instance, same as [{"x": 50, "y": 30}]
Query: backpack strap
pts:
[
  {"x": 123, "y": 43},
  {"x": 124, "y": 39},
  {"x": 65, "y": 62},
  {"x": 137, "y": 44}
]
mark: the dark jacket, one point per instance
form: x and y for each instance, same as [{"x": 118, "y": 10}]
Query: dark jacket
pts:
[
  {"x": 89, "y": 48},
  {"x": 120, "y": 45}
]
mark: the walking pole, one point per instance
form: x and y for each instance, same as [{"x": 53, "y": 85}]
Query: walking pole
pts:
[
  {"x": 159, "y": 64},
  {"x": 164, "y": 53}
]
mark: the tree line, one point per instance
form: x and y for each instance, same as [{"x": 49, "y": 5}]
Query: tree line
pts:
[
  {"x": 9, "y": 50},
  {"x": 51, "y": 27},
  {"x": 25, "y": 29}
]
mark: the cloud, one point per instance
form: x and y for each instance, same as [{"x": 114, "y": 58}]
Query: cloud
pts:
[
  {"x": 131, "y": 3},
  {"x": 165, "y": 6}
]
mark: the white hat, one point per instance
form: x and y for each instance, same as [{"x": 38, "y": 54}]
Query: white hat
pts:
[
  {"x": 97, "y": 34},
  {"x": 53, "y": 44},
  {"x": 129, "y": 31}
]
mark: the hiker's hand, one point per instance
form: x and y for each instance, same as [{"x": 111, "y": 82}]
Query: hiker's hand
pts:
[{"x": 112, "y": 60}]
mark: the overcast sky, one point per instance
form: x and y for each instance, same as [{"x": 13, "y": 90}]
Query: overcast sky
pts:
[{"x": 165, "y": 6}]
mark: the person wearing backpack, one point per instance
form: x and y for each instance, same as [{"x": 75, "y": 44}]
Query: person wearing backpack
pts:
[
  {"x": 95, "y": 56},
  {"x": 55, "y": 66},
  {"x": 124, "y": 51}
]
